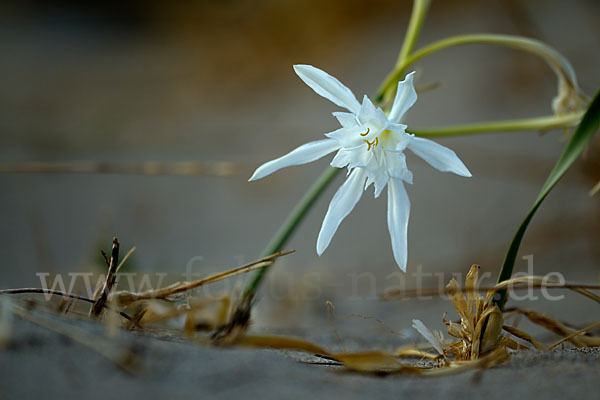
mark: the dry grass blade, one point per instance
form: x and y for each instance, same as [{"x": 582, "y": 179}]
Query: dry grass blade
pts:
[
  {"x": 525, "y": 336},
  {"x": 585, "y": 292},
  {"x": 415, "y": 352},
  {"x": 520, "y": 283},
  {"x": 124, "y": 297},
  {"x": 556, "y": 327},
  {"x": 512, "y": 344},
  {"x": 124, "y": 260},
  {"x": 576, "y": 333},
  {"x": 374, "y": 362}
]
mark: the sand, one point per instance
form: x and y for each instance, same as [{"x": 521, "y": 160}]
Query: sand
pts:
[{"x": 43, "y": 364}]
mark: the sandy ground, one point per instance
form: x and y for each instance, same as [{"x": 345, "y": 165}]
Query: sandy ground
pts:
[{"x": 44, "y": 364}]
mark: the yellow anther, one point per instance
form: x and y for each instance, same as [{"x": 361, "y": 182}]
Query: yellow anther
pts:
[
  {"x": 373, "y": 143},
  {"x": 366, "y": 133}
]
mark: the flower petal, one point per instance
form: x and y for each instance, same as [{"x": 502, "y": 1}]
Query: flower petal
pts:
[
  {"x": 306, "y": 153},
  {"x": 434, "y": 340},
  {"x": 327, "y": 86},
  {"x": 397, "y": 216},
  {"x": 397, "y": 167},
  {"x": 341, "y": 205},
  {"x": 405, "y": 98},
  {"x": 352, "y": 158},
  {"x": 372, "y": 116},
  {"x": 347, "y": 120},
  {"x": 349, "y": 137},
  {"x": 438, "y": 156},
  {"x": 378, "y": 177}
]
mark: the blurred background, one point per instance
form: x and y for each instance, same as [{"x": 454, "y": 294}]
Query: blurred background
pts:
[{"x": 212, "y": 81}]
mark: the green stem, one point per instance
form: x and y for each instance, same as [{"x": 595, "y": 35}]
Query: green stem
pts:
[
  {"x": 527, "y": 124},
  {"x": 419, "y": 12},
  {"x": 290, "y": 224},
  {"x": 557, "y": 61}
]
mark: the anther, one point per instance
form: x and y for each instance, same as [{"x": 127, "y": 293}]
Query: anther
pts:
[
  {"x": 366, "y": 133},
  {"x": 371, "y": 144}
]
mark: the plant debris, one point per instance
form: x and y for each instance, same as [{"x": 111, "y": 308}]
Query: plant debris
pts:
[{"x": 483, "y": 338}]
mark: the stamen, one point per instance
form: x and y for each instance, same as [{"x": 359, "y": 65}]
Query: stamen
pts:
[
  {"x": 373, "y": 143},
  {"x": 366, "y": 133}
]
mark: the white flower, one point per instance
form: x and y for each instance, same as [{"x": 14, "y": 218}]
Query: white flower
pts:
[{"x": 371, "y": 145}]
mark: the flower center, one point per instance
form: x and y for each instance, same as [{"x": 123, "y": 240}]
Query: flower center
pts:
[
  {"x": 372, "y": 143},
  {"x": 387, "y": 139}
]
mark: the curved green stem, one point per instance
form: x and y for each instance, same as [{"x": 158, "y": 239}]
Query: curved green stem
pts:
[
  {"x": 527, "y": 124},
  {"x": 556, "y": 60}
]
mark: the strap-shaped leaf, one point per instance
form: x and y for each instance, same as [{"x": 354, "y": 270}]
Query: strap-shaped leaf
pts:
[{"x": 583, "y": 134}]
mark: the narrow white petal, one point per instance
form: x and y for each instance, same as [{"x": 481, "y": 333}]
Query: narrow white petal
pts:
[
  {"x": 435, "y": 341},
  {"x": 341, "y": 205},
  {"x": 304, "y": 154},
  {"x": 406, "y": 96},
  {"x": 328, "y": 87},
  {"x": 397, "y": 216},
  {"x": 347, "y": 120},
  {"x": 438, "y": 156}
]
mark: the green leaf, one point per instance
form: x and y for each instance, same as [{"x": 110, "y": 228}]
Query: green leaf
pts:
[{"x": 583, "y": 134}]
